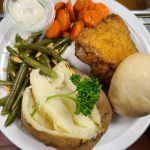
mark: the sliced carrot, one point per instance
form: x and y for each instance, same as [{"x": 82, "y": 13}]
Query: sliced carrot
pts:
[
  {"x": 59, "y": 5},
  {"x": 91, "y": 6},
  {"x": 82, "y": 24},
  {"x": 69, "y": 7},
  {"x": 64, "y": 19},
  {"x": 82, "y": 4},
  {"x": 92, "y": 18},
  {"x": 103, "y": 8},
  {"x": 54, "y": 30},
  {"x": 65, "y": 34},
  {"x": 80, "y": 14},
  {"x": 75, "y": 31}
]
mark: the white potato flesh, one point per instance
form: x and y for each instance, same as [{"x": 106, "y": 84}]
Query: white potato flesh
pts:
[
  {"x": 60, "y": 111},
  {"x": 59, "y": 114}
]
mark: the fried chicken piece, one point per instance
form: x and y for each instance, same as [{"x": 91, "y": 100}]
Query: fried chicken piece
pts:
[{"x": 105, "y": 46}]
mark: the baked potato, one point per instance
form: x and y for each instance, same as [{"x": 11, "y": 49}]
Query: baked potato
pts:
[{"x": 55, "y": 123}]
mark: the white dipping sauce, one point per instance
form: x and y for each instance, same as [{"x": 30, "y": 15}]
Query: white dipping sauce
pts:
[{"x": 28, "y": 13}]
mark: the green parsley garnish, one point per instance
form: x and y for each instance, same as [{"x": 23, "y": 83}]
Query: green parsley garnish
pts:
[{"x": 88, "y": 91}]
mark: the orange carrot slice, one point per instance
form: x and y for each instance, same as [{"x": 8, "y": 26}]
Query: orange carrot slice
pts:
[
  {"x": 82, "y": 4},
  {"x": 69, "y": 7},
  {"x": 64, "y": 19},
  {"x": 75, "y": 31},
  {"x": 80, "y": 15},
  {"x": 54, "y": 30},
  {"x": 103, "y": 8},
  {"x": 65, "y": 34},
  {"x": 59, "y": 5},
  {"x": 91, "y": 6},
  {"x": 82, "y": 24},
  {"x": 92, "y": 18}
]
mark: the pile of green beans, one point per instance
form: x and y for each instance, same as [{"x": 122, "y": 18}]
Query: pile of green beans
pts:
[{"x": 18, "y": 73}]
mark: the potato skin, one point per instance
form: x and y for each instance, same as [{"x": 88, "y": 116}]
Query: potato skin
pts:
[{"x": 68, "y": 143}]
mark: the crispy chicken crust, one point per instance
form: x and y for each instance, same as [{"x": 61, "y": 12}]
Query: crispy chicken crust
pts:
[{"x": 105, "y": 46}]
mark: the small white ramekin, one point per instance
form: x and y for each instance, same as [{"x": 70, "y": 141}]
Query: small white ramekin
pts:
[{"x": 47, "y": 4}]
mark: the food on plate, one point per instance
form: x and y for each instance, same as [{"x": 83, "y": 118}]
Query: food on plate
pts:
[
  {"x": 70, "y": 9},
  {"x": 69, "y": 16},
  {"x": 105, "y": 46},
  {"x": 82, "y": 4},
  {"x": 30, "y": 15},
  {"x": 59, "y": 105},
  {"x": 94, "y": 14},
  {"x": 76, "y": 29},
  {"x": 66, "y": 34},
  {"x": 59, "y": 6},
  {"x": 92, "y": 18},
  {"x": 23, "y": 57},
  {"x": 60, "y": 120},
  {"x": 54, "y": 31},
  {"x": 64, "y": 19},
  {"x": 104, "y": 9},
  {"x": 129, "y": 91}
]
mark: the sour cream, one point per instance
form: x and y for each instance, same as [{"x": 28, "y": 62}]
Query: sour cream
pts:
[{"x": 28, "y": 13}]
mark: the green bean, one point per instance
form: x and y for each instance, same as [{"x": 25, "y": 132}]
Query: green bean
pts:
[
  {"x": 44, "y": 59},
  {"x": 14, "y": 56},
  {"x": 3, "y": 82},
  {"x": 18, "y": 38},
  {"x": 62, "y": 42},
  {"x": 8, "y": 71},
  {"x": 13, "y": 115},
  {"x": 33, "y": 37},
  {"x": 47, "y": 60},
  {"x": 12, "y": 51},
  {"x": 26, "y": 53},
  {"x": 23, "y": 52},
  {"x": 30, "y": 39},
  {"x": 57, "y": 40},
  {"x": 44, "y": 69},
  {"x": 39, "y": 48},
  {"x": 15, "y": 88},
  {"x": 21, "y": 92},
  {"x": 63, "y": 48},
  {"x": 44, "y": 42},
  {"x": 3, "y": 100},
  {"x": 11, "y": 69}
]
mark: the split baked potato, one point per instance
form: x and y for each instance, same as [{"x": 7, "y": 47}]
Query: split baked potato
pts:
[{"x": 55, "y": 123}]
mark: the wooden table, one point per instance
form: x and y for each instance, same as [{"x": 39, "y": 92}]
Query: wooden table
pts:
[
  {"x": 1, "y": 6},
  {"x": 135, "y": 4},
  {"x": 142, "y": 144}
]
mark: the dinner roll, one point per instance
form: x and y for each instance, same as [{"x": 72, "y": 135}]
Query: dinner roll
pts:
[{"x": 129, "y": 91}]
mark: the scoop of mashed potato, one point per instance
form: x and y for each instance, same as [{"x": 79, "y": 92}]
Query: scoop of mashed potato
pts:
[{"x": 129, "y": 91}]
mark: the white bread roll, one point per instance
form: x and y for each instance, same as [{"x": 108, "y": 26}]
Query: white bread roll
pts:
[{"x": 129, "y": 91}]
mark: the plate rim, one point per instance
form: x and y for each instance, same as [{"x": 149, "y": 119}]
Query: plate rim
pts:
[{"x": 140, "y": 122}]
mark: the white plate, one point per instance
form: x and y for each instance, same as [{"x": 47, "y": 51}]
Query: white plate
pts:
[{"x": 122, "y": 131}]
